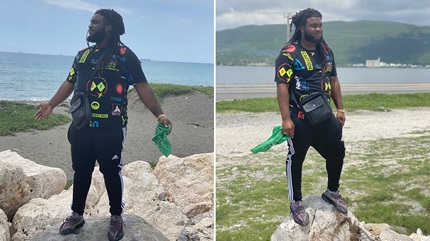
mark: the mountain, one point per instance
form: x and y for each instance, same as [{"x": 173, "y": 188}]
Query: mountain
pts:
[{"x": 352, "y": 42}]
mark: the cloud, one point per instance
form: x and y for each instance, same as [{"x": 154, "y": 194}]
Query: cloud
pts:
[
  {"x": 81, "y": 5},
  {"x": 74, "y": 4},
  {"x": 234, "y": 13}
]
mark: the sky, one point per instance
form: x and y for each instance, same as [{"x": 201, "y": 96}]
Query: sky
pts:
[
  {"x": 167, "y": 30},
  {"x": 235, "y": 13}
]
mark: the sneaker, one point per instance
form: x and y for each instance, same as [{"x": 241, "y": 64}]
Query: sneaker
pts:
[
  {"x": 299, "y": 214},
  {"x": 116, "y": 228},
  {"x": 72, "y": 223},
  {"x": 336, "y": 200}
]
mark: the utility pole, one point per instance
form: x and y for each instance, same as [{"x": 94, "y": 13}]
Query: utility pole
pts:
[{"x": 287, "y": 16}]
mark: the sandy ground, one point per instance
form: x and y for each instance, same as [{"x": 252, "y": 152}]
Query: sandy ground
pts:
[
  {"x": 237, "y": 133},
  {"x": 193, "y": 132}
]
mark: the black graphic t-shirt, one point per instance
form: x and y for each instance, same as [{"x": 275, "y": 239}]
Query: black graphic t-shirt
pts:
[
  {"x": 107, "y": 91},
  {"x": 301, "y": 69}
]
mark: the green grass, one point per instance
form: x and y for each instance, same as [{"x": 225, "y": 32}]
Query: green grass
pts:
[
  {"x": 162, "y": 90},
  {"x": 374, "y": 102},
  {"x": 18, "y": 117},
  {"x": 386, "y": 182}
]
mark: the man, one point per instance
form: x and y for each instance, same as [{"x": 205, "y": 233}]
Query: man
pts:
[
  {"x": 306, "y": 65},
  {"x": 103, "y": 138}
]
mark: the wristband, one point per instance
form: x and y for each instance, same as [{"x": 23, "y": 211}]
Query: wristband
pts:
[
  {"x": 341, "y": 110},
  {"x": 162, "y": 115}
]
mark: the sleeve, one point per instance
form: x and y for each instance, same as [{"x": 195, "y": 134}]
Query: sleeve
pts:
[
  {"x": 134, "y": 70},
  {"x": 284, "y": 71},
  {"x": 72, "y": 73}
]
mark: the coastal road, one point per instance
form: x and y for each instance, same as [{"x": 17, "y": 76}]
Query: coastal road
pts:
[{"x": 228, "y": 92}]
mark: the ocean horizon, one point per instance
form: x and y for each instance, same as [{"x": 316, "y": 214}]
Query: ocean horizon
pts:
[{"x": 36, "y": 77}]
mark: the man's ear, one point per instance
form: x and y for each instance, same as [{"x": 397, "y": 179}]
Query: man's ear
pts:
[
  {"x": 302, "y": 28},
  {"x": 108, "y": 27}
]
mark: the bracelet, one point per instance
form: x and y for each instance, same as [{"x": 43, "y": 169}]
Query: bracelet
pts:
[
  {"x": 341, "y": 110},
  {"x": 162, "y": 115}
]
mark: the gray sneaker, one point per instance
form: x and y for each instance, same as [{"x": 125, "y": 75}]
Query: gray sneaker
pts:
[
  {"x": 336, "y": 200},
  {"x": 72, "y": 223},
  {"x": 116, "y": 228},
  {"x": 299, "y": 214}
]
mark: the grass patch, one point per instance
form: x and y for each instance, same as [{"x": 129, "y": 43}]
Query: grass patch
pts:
[
  {"x": 387, "y": 182},
  {"x": 374, "y": 102},
  {"x": 162, "y": 90},
  {"x": 17, "y": 117},
  {"x": 69, "y": 183}
]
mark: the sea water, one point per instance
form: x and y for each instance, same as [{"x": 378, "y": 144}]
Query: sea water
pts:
[
  {"x": 257, "y": 75},
  {"x": 36, "y": 77}
]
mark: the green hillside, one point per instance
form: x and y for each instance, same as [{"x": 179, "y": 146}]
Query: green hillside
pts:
[{"x": 352, "y": 42}]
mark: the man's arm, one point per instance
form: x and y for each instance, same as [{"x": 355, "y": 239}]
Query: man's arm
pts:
[
  {"x": 284, "y": 107},
  {"x": 46, "y": 108},
  {"x": 336, "y": 96},
  {"x": 147, "y": 96}
]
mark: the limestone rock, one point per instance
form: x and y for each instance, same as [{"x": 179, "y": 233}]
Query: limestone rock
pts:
[
  {"x": 198, "y": 228},
  {"x": 145, "y": 197},
  {"x": 376, "y": 228},
  {"x": 389, "y": 235},
  {"x": 189, "y": 180},
  {"x": 326, "y": 224},
  {"x": 95, "y": 229},
  {"x": 38, "y": 213},
  {"x": 22, "y": 180},
  {"x": 4, "y": 227}
]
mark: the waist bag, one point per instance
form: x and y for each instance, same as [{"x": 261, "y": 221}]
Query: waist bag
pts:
[
  {"x": 80, "y": 110},
  {"x": 316, "y": 107}
]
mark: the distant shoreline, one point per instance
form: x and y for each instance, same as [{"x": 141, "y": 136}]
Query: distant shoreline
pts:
[{"x": 226, "y": 92}]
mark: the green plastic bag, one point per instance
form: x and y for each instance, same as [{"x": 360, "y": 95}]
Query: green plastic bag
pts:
[
  {"x": 160, "y": 139},
  {"x": 278, "y": 136}
]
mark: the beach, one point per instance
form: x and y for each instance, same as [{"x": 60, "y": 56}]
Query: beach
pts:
[{"x": 192, "y": 116}]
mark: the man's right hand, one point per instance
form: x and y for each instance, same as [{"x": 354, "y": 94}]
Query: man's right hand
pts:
[
  {"x": 44, "y": 110},
  {"x": 288, "y": 127}
]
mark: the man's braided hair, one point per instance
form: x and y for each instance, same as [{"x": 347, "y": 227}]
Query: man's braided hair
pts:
[
  {"x": 300, "y": 19},
  {"x": 115, "y": 20}
]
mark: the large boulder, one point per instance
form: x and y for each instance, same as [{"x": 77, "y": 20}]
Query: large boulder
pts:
[
  {"x": 4, "y": 227},
  {"x": 189, "y": 180},
  {"x": 95, "y": 229},
  {"x": 22, "y": 180},
  {"x": 39, "y": 214},
  {"x": 145, "y": 197},
  {"x": 326, "y": 224}
]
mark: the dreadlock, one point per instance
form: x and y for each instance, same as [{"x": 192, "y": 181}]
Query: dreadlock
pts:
[
  {"x": 115, "y": 20},
  {"x": 300, "y": 19}
]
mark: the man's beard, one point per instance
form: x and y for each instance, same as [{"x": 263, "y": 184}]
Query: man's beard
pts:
[
  {"x": 311, "y": 39},
  {"x": 96, "y": 37}
]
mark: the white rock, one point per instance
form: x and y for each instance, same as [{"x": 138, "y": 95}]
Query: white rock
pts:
[
  {"x": 389, "y": 235},
  {"x": 145, "y": 197},
  {"x": 326, "y": 224},
  {"x": 4, "y": 227},
  {"x": 189, "y": 180},
  {"x": 39, "y": 214},
  {"x": 22, "y": 180}
]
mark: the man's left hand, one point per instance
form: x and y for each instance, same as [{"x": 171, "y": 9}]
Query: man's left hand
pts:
[
  {"x": 341, "y": 117},
  {"x": 166, "y": 122}
]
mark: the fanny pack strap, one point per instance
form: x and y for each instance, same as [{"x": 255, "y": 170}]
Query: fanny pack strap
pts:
[{"x": 99, "y": 61}]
